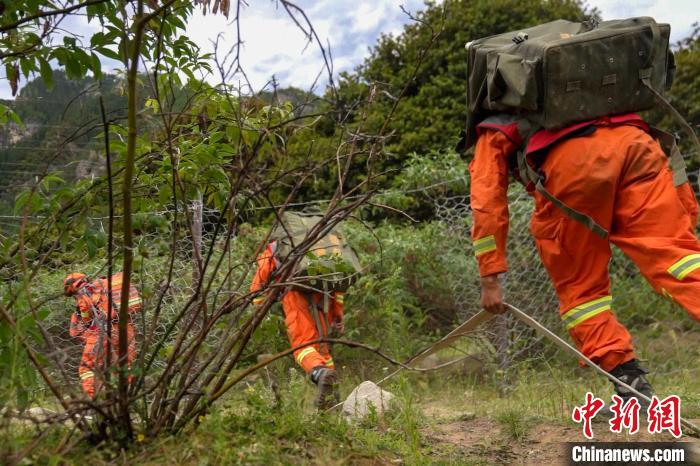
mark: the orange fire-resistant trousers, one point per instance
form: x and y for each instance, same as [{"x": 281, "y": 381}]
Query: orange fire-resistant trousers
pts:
[
  {"x": 620, "y": 177},
  {"x": 94, "y": 356},
  {"x": 301, "y": 328}
]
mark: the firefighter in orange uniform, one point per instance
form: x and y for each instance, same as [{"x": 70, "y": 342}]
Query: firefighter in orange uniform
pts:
[
  {"x": 89, "y": 323},
  {"x": 613, "y": 171},
  {"x": 306, "y": 321}
]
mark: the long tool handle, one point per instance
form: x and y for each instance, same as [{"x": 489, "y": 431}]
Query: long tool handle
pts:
[
  {"x": 462, "y": 330},
  {"x": 459, "y": 332},
  {"x": 541, "y": 329}
]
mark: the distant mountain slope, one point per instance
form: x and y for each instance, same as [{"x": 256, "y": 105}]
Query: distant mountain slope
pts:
[
  {"x": 62, "y": 125},
  {"x": 59, "y": 133}
]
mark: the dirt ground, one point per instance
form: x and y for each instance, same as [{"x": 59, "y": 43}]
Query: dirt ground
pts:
[{"x": 485, "y": 441}]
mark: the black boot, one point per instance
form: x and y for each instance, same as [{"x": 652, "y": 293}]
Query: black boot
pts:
[
  {"x": 634, "y": 376},
  {"x": 326, "y": 379}
]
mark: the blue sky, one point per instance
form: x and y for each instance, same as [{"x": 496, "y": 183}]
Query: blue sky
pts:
[{"x": 274, "y": 46}]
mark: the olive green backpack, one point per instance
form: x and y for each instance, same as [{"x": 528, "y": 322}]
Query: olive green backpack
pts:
[
  {"x": 564, "y": 72},
  {"x": 329, "y": 265},
  {"x": 560, "y": 73}
]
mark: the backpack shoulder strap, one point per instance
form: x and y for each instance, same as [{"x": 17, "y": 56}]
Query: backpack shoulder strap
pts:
[
  {"x": 535, "y": 178},
  {"x": 669, "y": 144},
  {"x": 570, "y": 212},
  {"x": 273, "y": 251},
  {"x": 645, "y": 77}
]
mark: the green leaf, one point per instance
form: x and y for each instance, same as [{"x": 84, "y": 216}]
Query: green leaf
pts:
[
  {"x": 96, "y": 66},
  {"x": 233, "y": 133},
  {"x": 92, "y": 242},
  {"x": 73, "y": 68},
  {"x": 152, "y": 104},
  {"x": 215, "y": 175},
  {"x": 216, "y": 137},
  {"x": 16, "y": 118},
  {"x": 26, "y": 200},
  {"x": 46, "y": 73},
  {"x": 165, "y": 195},
  {"x": 177, "y": 22},
  {"x": 61, "y": 55},
  {"x": 27, "y": 66},
  {"x": 82, "y": 57},
  {"x": 108, "y": 53},
  {"x": 64, "y": 193},
  {"x": 189, "y": 74},
  {"x": 52, "y": 177},
  {"x": 97, "y": 39}
]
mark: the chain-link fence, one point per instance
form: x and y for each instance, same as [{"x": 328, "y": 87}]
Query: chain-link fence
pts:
[
  {"x": 526, "y": 284},
  {"x": 193, "y": 236},
  {"x": 653, "y": 320},
  {"x": 505, "y": 343}
]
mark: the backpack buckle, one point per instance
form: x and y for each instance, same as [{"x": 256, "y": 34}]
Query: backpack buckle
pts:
[
  {"x": 520, "y": 37},
  {"x": 541, "y": 176}
]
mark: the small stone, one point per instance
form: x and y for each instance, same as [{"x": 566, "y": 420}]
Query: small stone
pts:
[
  {"x": 40, "y": 414},
  {"x": 358, "y": 403}
]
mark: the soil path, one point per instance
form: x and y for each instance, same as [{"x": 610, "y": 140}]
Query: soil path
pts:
[{"x": 482, "y": 440}]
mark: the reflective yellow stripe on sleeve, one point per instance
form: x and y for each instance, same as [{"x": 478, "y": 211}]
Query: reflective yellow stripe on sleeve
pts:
[
  {"x": 585, "y": 311},
  {"x": 340, "y": 298},
  {"x": 259, "y": 300},
  {"x": 87, "y": 375},
  {"x": 484, "y": 245},
  {"x": 304, "y": 353},
  {"x": 684, "y": 266},
  {"x": 329, "y": 363}
]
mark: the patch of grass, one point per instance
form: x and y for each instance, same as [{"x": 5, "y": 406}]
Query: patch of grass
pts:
[
  {"x": 251, "y": 427},
  {"x": 515, "y": 424}
]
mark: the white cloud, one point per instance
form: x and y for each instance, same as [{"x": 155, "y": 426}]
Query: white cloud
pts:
[
  {"x": 368, "y": 16},
  {"x": 680, "y": 14},
  {"x": 274, "y": 45}
]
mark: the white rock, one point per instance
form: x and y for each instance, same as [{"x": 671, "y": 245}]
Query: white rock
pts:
[
  {"x": 40, "y": 414},
  {"x": 357, "y": 405}
]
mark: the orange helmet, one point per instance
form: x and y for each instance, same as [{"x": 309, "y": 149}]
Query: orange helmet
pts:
[{"x": 73, "y": 282}]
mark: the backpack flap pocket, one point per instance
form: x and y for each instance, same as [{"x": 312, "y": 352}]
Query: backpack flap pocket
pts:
[{"x": 511, "y": 82}]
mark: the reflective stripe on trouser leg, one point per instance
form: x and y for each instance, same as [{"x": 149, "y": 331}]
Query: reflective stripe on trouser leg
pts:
[
  {"x": 87, "y": 380},
  {"x": 484, "y": 245},
  {"x": 304, "y": 353},
  {"x": 586, "y": 310},
  {"x": 683, "y": 267},
  {"x": 259, "y": 300}
]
